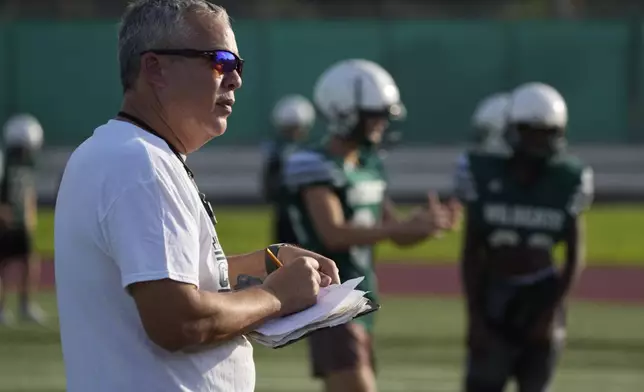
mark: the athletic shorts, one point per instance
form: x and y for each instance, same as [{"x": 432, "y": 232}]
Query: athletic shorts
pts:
[
  {"x": 14, "y": 242},
  {"x": 345, "y": 347},
  {"x": 532, "y": 366},
  {"x": 511, "y": 308}
]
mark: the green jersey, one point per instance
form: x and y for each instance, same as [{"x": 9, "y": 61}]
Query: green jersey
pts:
[
  {"x": 508, "y": 214},
  {"x": 360, "y": 189}
]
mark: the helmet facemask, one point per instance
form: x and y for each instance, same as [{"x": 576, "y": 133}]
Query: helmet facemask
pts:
[
  {"x": 535, "y": 141},
  {"x": 373, "y": 126}
]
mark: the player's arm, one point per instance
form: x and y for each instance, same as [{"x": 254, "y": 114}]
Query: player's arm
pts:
[
  {"x": 390, "y": 213},
  {"x": 473, "y": 245},
  {"x": 471, "y": 267},
  {"x": 310, "y": 175},
  {"x": 327, "y": 215},
  {"x": 434, "y": 215},
  {"x": 576, "y": 232},
  {"x": 31, "y": 209}
]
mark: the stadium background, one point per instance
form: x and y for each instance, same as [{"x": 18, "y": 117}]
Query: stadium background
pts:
[{"x": 58, "y": 62}]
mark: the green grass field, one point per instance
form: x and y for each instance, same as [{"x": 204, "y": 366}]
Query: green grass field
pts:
[
  {"x": 419, "y": 345},
  {"x": 419, "y": 341},
  {"x": 614, "y": 236}
]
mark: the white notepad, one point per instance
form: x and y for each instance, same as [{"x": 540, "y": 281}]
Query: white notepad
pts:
[{"x": 336, "y": 305}]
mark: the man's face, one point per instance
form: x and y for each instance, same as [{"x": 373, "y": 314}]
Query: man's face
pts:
[{"x": 195, "y": 98}]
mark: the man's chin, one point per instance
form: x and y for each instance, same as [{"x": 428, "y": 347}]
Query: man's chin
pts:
[{"x": 218, "y": 128}]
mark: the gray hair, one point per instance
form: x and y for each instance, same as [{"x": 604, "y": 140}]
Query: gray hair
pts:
[{"x": 156, "y": 24}]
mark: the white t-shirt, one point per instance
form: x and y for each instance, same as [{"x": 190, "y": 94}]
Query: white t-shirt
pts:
[{"x": 128, "y": 212}]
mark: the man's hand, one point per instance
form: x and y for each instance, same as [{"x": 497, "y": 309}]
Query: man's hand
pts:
[
  {"x": 295, "y": 285},
  {"x": 327, "y": 269}
]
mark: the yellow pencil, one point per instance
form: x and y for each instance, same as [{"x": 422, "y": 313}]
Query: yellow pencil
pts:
[{"x": 278, "y": 263}]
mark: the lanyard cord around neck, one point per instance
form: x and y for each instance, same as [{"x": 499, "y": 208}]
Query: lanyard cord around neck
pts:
[{"x": 143, "y": 125}]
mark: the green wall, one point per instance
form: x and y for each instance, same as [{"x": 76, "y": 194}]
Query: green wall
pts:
[{"x": 67, "y": 74}]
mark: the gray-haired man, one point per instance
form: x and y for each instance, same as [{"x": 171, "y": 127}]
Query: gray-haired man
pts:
[{"x": 143, "y": 284}]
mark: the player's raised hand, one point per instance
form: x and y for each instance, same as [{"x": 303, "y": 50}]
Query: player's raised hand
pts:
[
  {"x": 439, "y": 213},
  {"x": 454, "y": 213}
]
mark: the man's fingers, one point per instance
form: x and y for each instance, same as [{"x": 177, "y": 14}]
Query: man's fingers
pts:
[
  {"x": 328, "y": 267},
  {"x": 325, "y": 280},
  {"x": 313, "y": 262},
  {"x": 321, "y": 264},
  {"x": 318, "y": 278}
]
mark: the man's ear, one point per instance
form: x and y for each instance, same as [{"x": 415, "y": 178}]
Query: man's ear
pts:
[{"x": 152, "y": 70}]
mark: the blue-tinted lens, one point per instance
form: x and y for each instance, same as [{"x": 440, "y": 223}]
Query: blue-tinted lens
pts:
[{"x": 225, "y": 62}]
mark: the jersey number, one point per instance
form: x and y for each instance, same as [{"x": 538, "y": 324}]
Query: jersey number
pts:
[{"x": 361, "y": 254}]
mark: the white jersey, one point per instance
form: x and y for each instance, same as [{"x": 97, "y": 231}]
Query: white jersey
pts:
[{"x": 127, "y": 212}]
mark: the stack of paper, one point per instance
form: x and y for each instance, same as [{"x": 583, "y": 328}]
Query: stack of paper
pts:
[{"x": 336, "y": 304}]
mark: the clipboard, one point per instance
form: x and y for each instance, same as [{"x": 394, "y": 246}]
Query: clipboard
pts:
[{"x": 373, "y": 307}]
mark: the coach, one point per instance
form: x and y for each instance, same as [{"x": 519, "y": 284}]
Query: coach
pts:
[{"x": 143, "y": 284}]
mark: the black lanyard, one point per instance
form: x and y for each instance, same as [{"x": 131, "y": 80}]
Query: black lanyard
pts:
[{"x": 143, "y": 125}]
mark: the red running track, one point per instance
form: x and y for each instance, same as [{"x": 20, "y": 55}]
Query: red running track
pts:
[{"x": 611, "y": 284}]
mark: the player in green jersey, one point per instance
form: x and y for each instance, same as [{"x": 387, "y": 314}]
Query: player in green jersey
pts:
[
  {"x": 488, "y": 126},
  {"x": 293, "y": 117},
  {"x": 488, "y": 123},
  {"x": 519, "y": 206},
  {"x": 22, "y": 139},
  {"x": 339, "y": 208}
]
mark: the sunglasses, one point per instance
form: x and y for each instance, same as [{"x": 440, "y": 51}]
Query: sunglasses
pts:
[{"x": 222, "y": 61}]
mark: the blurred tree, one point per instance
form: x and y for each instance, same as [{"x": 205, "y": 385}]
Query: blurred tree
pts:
[
  {"x": 266, "y": 9},
  {"x": 567, "y": 8},
  {"x": 70, "y": 9},
  {"x": 12, "y": 9}
]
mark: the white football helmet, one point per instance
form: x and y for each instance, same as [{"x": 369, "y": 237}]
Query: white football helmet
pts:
[
  {"x": 293, "y": 110},
  {"x": 538, "y": 104},
  {"x": 489, "y": 121},
  {"x": 23, "y": 130},
  {"x": 351, "y": 87}
]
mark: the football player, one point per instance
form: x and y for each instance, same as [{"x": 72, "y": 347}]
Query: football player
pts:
[
  {"x": 293, "y": 117},
  {"x": 519, "y": 207},
  {"x": 339, "y": 208},
  {"x": 488, "y": 123},
  {"x": 23, "y": 136}
]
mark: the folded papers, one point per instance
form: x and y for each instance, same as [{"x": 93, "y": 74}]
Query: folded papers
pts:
[{"x": 336, "y": 304}]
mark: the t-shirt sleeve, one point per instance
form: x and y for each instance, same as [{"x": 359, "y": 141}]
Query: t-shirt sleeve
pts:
[
  {"x": 463, "y": 181},
  {"x": 152, "y": 234},
  {"x": 584, "y": 193},
  {"x": 306, "y": 168}
]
